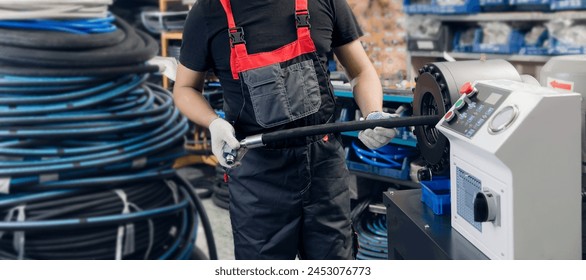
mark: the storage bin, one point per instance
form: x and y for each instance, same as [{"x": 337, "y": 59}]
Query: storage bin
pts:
[
  {"x": 514, "y": 44},
  {"x": 436, "y": 195},
  {"x": 531, "y": 5},
  {"x": 557, "y": 5},
  {"x": 468, "y": 7}
]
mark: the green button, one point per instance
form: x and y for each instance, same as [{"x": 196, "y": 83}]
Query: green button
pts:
[{"x": 459, "y": 103}]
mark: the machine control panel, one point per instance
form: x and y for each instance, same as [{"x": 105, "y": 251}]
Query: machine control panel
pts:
[{"x": 475, "y": 107}]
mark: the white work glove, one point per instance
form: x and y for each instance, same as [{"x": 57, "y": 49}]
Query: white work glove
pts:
[
  {"x": 379, "y": 136},
  {"x": 222, "y": 134}
]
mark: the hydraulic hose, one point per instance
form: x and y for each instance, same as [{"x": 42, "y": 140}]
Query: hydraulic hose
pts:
[
  {"x": 276, "y": 136},
  {"x": 35, "y": 9},
  {"x": 87, "y": 147},
  {"x": 212, "y": 252},
  {"x": 65, "y": 41},
  {"x": 136, "y": 47},
  {"x": 160, "y": 222},
  {"x": 59, "y": 54},
  {"x": 116, "y": 127}
]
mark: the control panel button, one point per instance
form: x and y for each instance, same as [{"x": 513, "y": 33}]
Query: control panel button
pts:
[
  {"x": 468, "y": 89},
  {"x": 503, "y": 119},
  {"x": 449, "y": 116},
  {"x": 460, "y": 104}
]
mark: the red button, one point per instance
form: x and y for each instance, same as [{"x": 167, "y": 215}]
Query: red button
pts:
[
  {"x": 466, "y": 88},
  {"x": 449, "y": 116}
]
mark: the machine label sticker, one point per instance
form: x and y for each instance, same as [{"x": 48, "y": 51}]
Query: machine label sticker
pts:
[
  {"x": 560, "y": 84},
  {"x": 466, "y": 188},
  {"x": 5, "y": 185}
]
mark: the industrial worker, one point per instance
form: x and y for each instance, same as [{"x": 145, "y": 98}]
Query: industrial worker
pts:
[{"x": 288, "y": 199}]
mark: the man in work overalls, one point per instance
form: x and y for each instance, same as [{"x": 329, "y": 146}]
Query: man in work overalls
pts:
[{"x": 289, "y": 198}]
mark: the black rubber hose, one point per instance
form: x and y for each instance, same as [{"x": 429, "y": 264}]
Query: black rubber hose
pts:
[
  {"x": 137, "y": 47},
  {"x": 37, "y": 71},
  {"x": 59, "y": 40},
  {"x": 207, "y": 226},
  {"x": 276, "y": 136}
]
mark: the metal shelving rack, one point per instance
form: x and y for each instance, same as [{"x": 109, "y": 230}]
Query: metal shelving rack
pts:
[
  {"x": 167, "y": 36},
  {"x": 529, "y": 64}
]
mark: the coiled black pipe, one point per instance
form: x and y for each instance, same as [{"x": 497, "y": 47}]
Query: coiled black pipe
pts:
[
  {"x": 136, "y": 48},
  {"x": 154, "y": 236}
]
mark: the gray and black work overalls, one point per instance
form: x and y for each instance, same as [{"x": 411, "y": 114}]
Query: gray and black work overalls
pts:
[{"x": 291, "y": 197}]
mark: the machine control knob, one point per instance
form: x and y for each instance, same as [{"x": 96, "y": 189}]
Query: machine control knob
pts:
[
  {"x": 449, "y": 116},
  {"x": 503, "y": 119},
  {"x": 485, "y": 206},
  {"x": 468, "y": 89}
]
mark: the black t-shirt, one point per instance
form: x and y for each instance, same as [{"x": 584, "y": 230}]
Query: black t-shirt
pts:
[{"x": 267, "y": 24}]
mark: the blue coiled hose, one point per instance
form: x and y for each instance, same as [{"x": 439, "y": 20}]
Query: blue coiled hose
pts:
[
  {"x": 63, "y": 139},
  {"x": 372, "y": 237},
  {"x": 87, "y": 148},
  {"x": 166, "y": 220},
  {"x": 120, "y": 121},
  {"x": 75, "y": 26}
]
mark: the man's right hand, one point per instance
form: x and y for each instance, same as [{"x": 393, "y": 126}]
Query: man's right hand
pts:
[{"x": 222, "y": 134}]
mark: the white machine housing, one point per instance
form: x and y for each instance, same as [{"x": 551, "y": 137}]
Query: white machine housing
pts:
[{"x": 515, "y": 156}]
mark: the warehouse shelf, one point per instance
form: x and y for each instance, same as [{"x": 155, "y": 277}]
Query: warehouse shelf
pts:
[
  {"x": 459, "y": 55},
  {"x": 167, "y": 36},
  {"x": 512, "y": 16}
]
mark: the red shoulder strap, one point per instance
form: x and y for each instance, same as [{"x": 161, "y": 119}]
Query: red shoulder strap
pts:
[
  {"x": 241, "y": 61},
  {"x": 228, "y": 9}
]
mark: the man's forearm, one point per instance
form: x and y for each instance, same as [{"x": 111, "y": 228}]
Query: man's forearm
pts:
[
  {"x": 194, "y": 106},
  {"x": 367, "y": 92}
]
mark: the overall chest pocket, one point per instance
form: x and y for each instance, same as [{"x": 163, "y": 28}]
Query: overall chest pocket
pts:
[{"x": 281, "y": 95}]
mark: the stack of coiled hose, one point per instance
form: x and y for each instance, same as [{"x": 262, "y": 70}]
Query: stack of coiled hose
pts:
[
  {"x": 87, "y": 147},
  {"x": 372, "y": 237},
  {"x": 34, "y": 9}
]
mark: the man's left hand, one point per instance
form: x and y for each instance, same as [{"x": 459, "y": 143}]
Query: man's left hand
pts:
[{"x": 379, "y": 136}]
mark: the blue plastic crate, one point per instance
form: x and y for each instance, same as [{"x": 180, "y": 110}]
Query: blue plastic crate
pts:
[
  {"x": 533, "y": 50},
  {"x": 458, "y": 47},
  {"x": 401, "y": 171},
  {"x": 557, "y": 47},
  {"x": 557, "y": 5},
  {"x": 531, "y": 5},
  {"x": 412, "y": 9},
  {"x": 436, "y": 195},
  {"x": 495, "y": 5},
  {"x": 469, "y": 7},
  {"x": 537, "y": 48},
  {"x": 513, "y": 46}
]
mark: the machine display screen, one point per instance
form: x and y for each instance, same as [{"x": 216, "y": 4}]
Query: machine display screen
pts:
[{"x": 493, "y": 98}]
